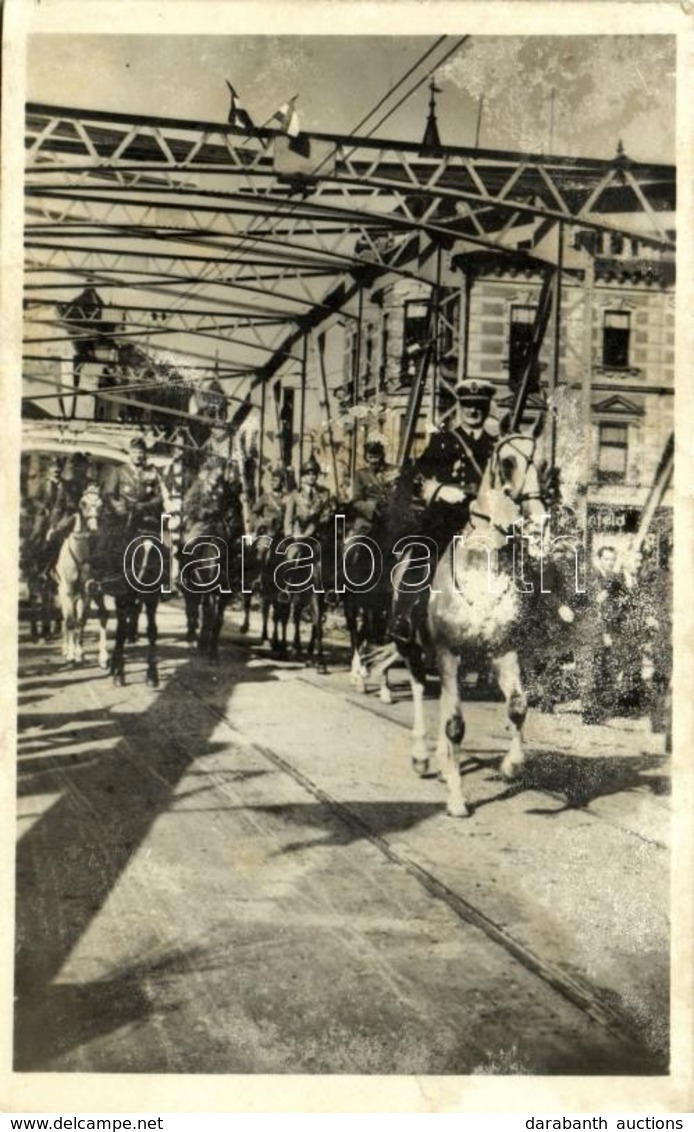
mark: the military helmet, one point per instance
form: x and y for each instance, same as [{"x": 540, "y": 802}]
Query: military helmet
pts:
[{"x": 311, "y": 466}]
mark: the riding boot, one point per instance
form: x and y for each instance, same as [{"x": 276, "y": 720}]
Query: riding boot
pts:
[{"x": 408, "y": 604}]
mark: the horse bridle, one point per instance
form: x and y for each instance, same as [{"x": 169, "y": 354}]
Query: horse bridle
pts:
[
  {"x": 495, "y": 471},
  {"x": 495, "y": 463}
]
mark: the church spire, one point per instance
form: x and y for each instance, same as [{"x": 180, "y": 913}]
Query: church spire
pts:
[{"x": 431, "y": 140}]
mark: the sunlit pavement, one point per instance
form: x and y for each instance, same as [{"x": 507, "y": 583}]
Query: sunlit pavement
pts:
[{"x": 239, "y": 872}]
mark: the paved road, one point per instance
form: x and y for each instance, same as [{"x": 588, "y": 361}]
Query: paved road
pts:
[{"x": 239, "y": 873}]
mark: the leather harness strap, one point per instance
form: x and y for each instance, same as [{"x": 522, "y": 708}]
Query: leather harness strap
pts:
[{"x": 468, "y": 451}]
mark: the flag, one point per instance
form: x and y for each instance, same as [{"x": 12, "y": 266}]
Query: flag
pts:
[
  {"x": 288, "y": 117},
  {"x": 238, "y": 115}
]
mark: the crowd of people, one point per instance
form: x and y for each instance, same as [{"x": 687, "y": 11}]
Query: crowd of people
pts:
[{"x": 605, "y": 641}]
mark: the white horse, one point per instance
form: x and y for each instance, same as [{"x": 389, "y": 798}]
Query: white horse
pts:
[
  {"x": 475, "y": 602},
  {"x": 73, "y": 570}
]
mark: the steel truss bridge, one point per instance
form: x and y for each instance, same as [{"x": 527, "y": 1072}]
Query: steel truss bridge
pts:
[{"x": 231, "y": 251}]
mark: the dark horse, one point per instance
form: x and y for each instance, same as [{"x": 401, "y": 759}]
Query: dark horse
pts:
[
  {"x": 259, "y": 575},
  {"x": 303, "y": 573},
  {"x": 128, "y": 564},
  {"x": 42, "y": 588},
  {"x": 366, "y": 586},
  {"x": 209, "y": 572}
]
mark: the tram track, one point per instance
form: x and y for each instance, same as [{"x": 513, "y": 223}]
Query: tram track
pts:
[{"x": 599, "y": 1006}]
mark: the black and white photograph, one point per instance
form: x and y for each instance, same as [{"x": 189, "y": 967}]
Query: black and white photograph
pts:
[{"x": 340, "y": 374}]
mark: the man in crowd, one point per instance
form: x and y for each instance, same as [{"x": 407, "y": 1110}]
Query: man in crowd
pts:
[{"x": 599, "y": 652}]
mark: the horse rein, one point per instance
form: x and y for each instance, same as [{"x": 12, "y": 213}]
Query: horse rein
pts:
[{"x": 495, "y": 471}]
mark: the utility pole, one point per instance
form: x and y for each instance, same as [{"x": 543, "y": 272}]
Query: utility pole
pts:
[
  {"x": 356, "y": 388},
  {"x": 587, "y": 384},
  {"x": 556, "y": 344},
  {"x": 302, "y": 406},
  {"x": 436, "y": 346}
]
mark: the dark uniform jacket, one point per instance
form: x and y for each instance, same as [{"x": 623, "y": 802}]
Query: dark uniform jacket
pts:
[
  {"x": 269, "y": 513},
  {"x": 66, "y": 504},
  {"x": 136, "y": 493},
  {"x": 453, "y": 457},
  {"x": 371, "y": 489},
  {"x": 306, "y": 512},
  {"x": 207, "y": 508}
]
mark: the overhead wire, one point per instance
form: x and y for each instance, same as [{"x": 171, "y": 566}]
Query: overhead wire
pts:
[{"x": 250, "y": 238}]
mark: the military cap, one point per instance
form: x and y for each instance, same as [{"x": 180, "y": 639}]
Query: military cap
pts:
[{"x": 473, "y": 391}]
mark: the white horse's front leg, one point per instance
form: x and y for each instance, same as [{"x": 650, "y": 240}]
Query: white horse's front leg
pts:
[
  {"x": 417, "y": 674},
  {"x": 451, "y": 734},
  {"x": 81, "y": 610},
  {"x": 384, "y": 693},
  {"x": 508, "y": 673},
  {"x": 358, "y": 672}
]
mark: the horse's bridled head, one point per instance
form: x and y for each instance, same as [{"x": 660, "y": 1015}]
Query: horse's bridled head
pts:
[{"x": 91, "y": 505}]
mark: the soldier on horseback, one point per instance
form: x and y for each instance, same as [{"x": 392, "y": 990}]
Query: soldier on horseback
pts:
[
  {"x": 66, "y": 498},
  {"x": 309, "y": 506},
  {"x": 211, "y": 511},
  {"x": 212, "y": 501},
  {"x": 371, "y": 488},
  {"x": 135, "y": 491},
  {"x": 448, "y": 474},
  {"x": 269, "y": 510}
]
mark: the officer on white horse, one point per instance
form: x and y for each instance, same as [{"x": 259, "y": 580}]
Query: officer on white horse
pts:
[{"x": 448, "y": 475}]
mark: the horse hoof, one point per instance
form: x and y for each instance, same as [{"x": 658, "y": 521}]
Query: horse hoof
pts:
[
  {"x": 385, "y": 696},
  {"x": 119, "y": 680},
  {"x": 420, "y": 767},
  {"x": 152, "y": 680},
  {"x": 244, "y": 629},
  {"x": 458, "y": 809}
]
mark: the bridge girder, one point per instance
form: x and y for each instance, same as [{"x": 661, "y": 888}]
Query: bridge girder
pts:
[{"x": 216, "y": 212}]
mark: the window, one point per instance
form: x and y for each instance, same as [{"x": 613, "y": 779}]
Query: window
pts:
[
  {"x": 613, "y": 445},
  {"x": 616, "y": 243},
  {"x": 615, "y": 339},
  {"x": 519, "y": 342},
  {"x": 414, "y": 337}
]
